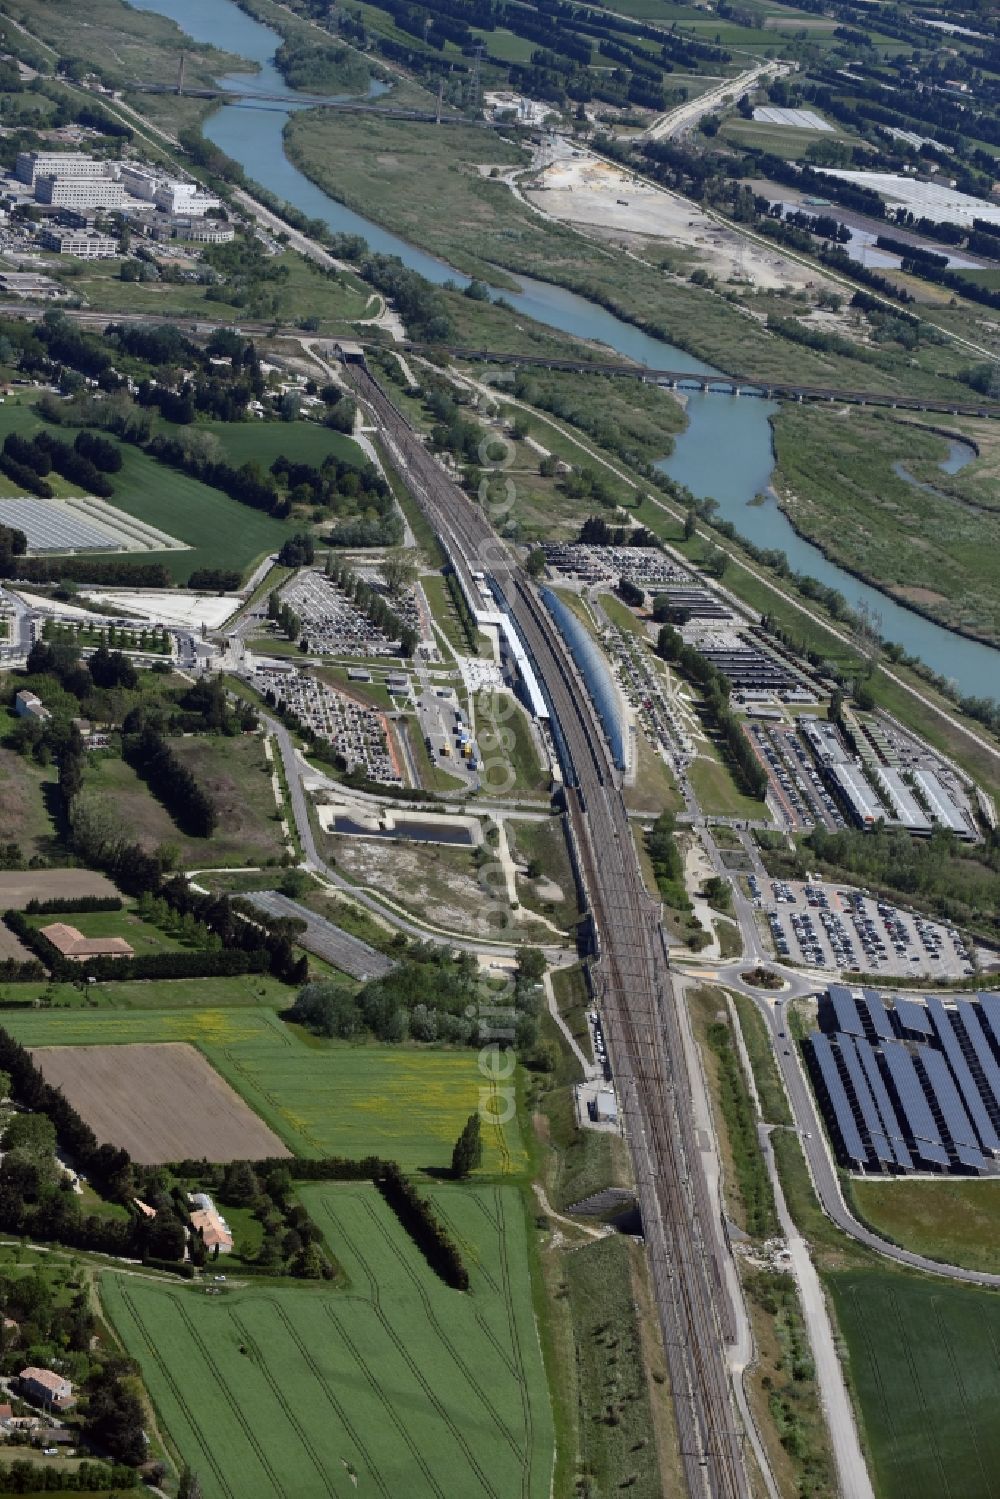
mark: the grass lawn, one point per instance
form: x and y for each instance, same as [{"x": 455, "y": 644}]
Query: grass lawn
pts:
[
  {"x": 504, "y": 736},
  {"x": 717, "y": 792},
  {"x": 236, "y": 777},
  {"x": 28, "y": 792},
  {"x": 445, "y": 615},
  {"x": 546, "y": 843},
  {"x": 263, "y": 442},
  {"x": 322, "y": 1098},
  {"x": 152, "y": 994},
  {"x": 924, "y": 1367},
  {"x": 953, "y": 1220},
  {"x": 397, "y": 1385},
  {"x": 218, "y": 531}
]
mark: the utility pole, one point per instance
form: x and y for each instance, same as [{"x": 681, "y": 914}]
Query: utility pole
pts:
[{"x": 180, "y": 73}]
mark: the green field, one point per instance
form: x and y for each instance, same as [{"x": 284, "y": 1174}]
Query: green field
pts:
[
  {"x": 924, "y": 1364},
  {"x": 145, "y": 938},
  {"x": 321, "y": 1098},
  {"x": 253, "y": 989},
  {"x": 27, "y": 795},
  {"x": 262, "y": 442},
  {"x": 395, "y": 1386},
  {"x": 953, "y": 1220},
  {"x": 219, "y": 532}
]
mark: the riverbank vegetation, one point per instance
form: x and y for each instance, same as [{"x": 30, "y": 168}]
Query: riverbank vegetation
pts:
[{"x": 865, "y": 488}]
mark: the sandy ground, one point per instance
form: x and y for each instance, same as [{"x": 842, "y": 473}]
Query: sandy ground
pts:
[
  {"x": 584, "y": 191},
  {"x": 159, "y": 1102},
  {"x": 174, "y": 607}
]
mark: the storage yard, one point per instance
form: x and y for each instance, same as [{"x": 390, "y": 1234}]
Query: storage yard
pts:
[{"x": 909, "y": 1085}]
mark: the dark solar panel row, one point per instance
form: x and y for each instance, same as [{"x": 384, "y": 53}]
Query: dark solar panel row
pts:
[
  {"x": 968, "y": 1092},
  {"x": 878, "y": 1014},
  {"x": 845, "y": 1010},
  {"x": 871, "y": 1120},
  {"x": 924, "y": 1137},
  {"x": 911, "y": 1017},
  {"x": 958, "y": 1126},
  {"x": 989, "y": 1009},
  {"x": 893, "y": 1128},
  {"x": 985, "y": 1069},
  {"x": 843, "y": 1114}
]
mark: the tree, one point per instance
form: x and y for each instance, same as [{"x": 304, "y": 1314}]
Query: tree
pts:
[
  {"x": 531, "y": 964},
  {"x": 399, "y": 573},
  {"x": 190, "y": 1488},
  {"x": 468, "y": 1151},
  {"x": 240, "y": 1186},
  {"x": 535, "y": 562},
  {"x": 689, "y": 524}
]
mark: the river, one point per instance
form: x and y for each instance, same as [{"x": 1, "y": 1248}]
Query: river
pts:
[{"x": 725, "y": 450}]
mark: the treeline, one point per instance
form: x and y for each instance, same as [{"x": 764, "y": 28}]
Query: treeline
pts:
[
  {"x": 109, "y": 572},
  {"x": 248, "y": 484},
  {"x": 168, "y": 965},
  {"x": 424, "y": 1226},
  {"x": 714, "y": 687},
  {"x": 152, "y": 758},
  {"x": 68, "y": 903},
  {"x": 25, "y": 1477},
  {"x": 668, "y": 866}
]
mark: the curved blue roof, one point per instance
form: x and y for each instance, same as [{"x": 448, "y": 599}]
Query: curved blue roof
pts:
[{"x": 594, "y": 670}]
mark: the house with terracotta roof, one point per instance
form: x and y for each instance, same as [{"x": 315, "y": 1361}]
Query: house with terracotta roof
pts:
[
  {"x": 207, "y": 1220},
  {"x": 46, "y": 1388},
  {"x": 71, "y": 944}
]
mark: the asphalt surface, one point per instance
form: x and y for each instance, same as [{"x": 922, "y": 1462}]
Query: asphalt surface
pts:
[{"x": 325, "y": 938}]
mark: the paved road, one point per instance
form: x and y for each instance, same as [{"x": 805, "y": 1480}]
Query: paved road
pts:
[
  {"x": 682, "y": 119},
  {"x": 848, "y": 1456}
]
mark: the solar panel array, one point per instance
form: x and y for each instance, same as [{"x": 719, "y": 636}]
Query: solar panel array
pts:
[
  {"x": 55, "y": 528},
  {"x": 910, "y": 1085}
]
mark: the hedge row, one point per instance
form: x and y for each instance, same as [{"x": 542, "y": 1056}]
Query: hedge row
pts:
[{"x": 74, "y": 903}]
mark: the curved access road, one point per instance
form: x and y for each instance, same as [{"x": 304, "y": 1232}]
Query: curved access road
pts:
[{"x": 821, "y": 1164}]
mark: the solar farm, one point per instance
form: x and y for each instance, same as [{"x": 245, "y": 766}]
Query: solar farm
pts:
[
  {"x": 81, "y": 525},
  {"x": 795, "y": 119},
  {"x": 909, "y": 1086}
]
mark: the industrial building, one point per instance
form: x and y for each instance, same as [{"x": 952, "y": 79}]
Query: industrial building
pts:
[
  {"x": 909, "y": 1085},
  {"x": 84, "y": 244}
]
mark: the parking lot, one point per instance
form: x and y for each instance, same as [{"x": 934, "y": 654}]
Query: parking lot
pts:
[
  {"x": 332, "y": 624},
  {"x": 796, "y": 786},
  {"x": 357, "y": 732},
  {"x": 828, "y": 926}
]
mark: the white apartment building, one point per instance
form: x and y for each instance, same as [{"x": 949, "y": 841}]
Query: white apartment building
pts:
[
  {"x": 34, "y": 164},
  {"x": 85, "y": 244},
  {"x": 185, "y": 198},
  {"x": 80, "y": 192},
  {"x": 141, "y": 182}
]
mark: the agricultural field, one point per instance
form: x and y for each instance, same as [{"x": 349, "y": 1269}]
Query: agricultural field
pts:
[
  {"x": 263, "y": 442},
  {"x": 159, "y": 1102},
  {"x": 235, "y": 775},
  {"x": 17, "y": 887},
  {"x": 217, "y": 531},
  {"x": 321, "y": 1098},
  {"x": 27, "y": 793},
  {"x": 923, "y": 1359},
  {"x": 397, "y": 1384}
]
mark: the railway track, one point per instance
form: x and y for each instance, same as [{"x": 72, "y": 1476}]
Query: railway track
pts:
[{"x": 632, "y": 977}]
